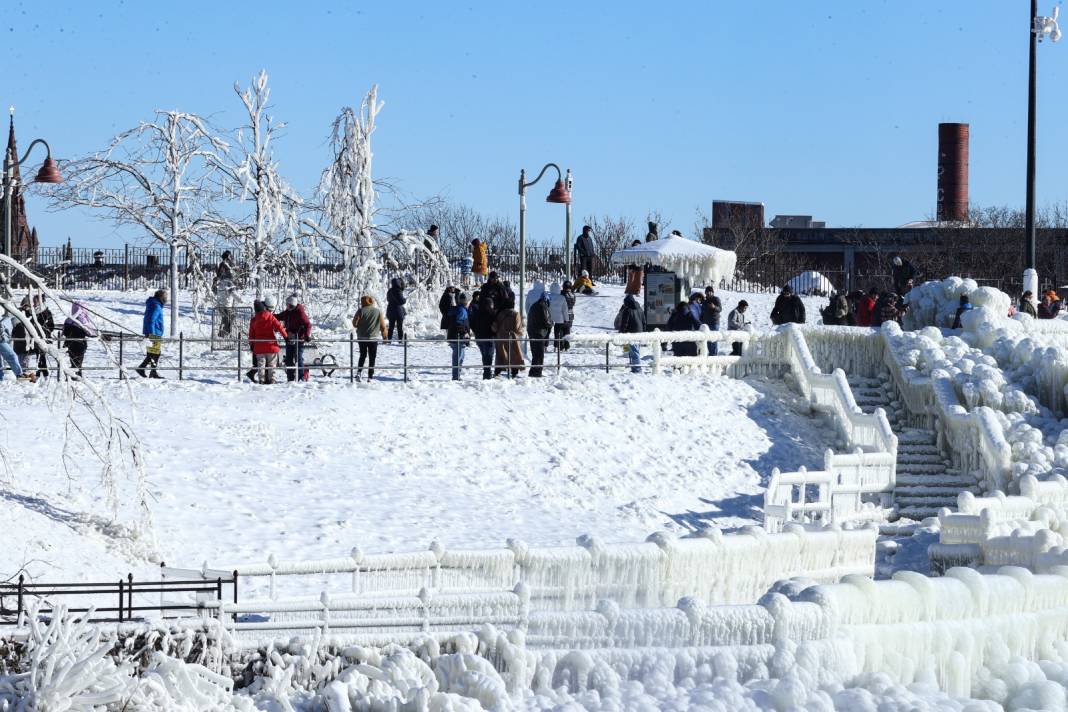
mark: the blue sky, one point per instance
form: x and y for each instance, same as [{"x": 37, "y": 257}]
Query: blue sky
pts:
[{"x": 824, "y": 107}]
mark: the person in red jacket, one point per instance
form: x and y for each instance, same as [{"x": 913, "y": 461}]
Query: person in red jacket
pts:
[
  {"x": 298, "y": 331},
  {"x": 866, "y": 307},
  {"x": 261, "y": 331}
]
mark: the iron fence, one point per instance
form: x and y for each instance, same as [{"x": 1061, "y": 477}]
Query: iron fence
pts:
[
  {"x": 19, "y": 598},
  {"x": 136, "y": 267}
]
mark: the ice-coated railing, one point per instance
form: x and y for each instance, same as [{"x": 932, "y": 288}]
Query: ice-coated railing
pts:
[
  {"x": 652, "y": 340},
  {"x": 1004, "y": 530},
  {"x": 732, "y": 568},
  {"x": 974, "y": 441},
  {"x": 853, "y": 486}
]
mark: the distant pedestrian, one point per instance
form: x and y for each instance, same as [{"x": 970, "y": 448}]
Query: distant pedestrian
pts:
[
  {"x": 1027, "y": 304},
  {"x": 77, "y": 330},
  {"x": 683, "y": 319},
  {"x": 568, "y": 290},
  {"x": 866, "y": 307},
  {"x": 152, "y": 329},
  {"x": 458, "y": 333},
  {"x": 298, "y": 332},
  {"x": 585, "y": 250},
  {"x": 225, "y": 297},
  {"x": 652, "y": 235},
  {"x": 508, "y": 330},
  {"x": 965, "y": 305},
  {"x": 494, "y": 289},
  {"x": 711, "y": 308},
  {"x": 445, "y": 303},
  {"x": 261, "y": 336},
  {"x": 481, "y": 317},
  {"x": 888, "y": 308},
  {"x": 479, "y": 259},
  {"x": 632, "y": 321},
  {"x": 738, "y": 321},
  {"x": 1050, "y": 306},
  {"x": 225, "y": 269},
  {"x": 395, "y": 311},
  {"x": 539, "y": 326},
  {"x": 901, "y": 270},
  {"x": 369, "y": 324},
  {"x": 7, "y": 350},
  {"x": 788, "y": 308},
  {"x": 560, "y": 313},
  {"x": 837, "y": 312}
]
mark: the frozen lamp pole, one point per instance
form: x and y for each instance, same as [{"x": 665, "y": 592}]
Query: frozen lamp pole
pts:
[
  {"x": 1040, "y": 28},
  {"x": 561, "y": 193},
  {"x": 49, "y": 173}
]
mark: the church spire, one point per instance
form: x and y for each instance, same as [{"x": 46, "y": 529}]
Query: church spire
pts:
[{"x": 12, "y": 149}]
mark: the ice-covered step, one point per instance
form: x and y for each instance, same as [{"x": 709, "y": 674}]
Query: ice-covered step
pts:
[
  {"x": 918, "y": 449},
  {"x": 921, "y": 458},
  {"x": 918, "y": 513},
  {"x": 914, "y": 436},
  {"x": 943, "y": 480},
  {"x": 916, "y": 468},
  {"x": 926, "y": 492}
]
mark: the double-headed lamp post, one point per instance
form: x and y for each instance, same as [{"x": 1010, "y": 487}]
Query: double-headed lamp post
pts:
[
  {"x": 561, "y": 193},
  {"x": 1040, "y": 28},
  {"x": 49, "y": 173}
]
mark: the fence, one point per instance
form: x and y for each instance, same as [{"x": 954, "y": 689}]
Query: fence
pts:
[
  {"x": 407, "y": 359},
  {"x": 135, "y": 267},
  {"x": 46, "y": 595}
]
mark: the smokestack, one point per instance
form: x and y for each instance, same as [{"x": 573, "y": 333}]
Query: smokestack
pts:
[{"x": 952, "y": 172}]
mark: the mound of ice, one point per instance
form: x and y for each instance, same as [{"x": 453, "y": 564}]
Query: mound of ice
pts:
[{"x": 811, "y": 284}]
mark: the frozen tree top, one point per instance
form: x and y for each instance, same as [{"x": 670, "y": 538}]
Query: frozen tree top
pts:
[{"x": 699, "y": 262}]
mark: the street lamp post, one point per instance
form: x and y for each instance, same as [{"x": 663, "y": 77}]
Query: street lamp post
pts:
[
  {"x": 49, "y": 173},
  {"x": 1039, "y": 28},
  {"x": 561, "y": 193}
]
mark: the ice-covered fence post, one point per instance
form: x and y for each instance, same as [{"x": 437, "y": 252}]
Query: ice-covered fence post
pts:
[
  {"x": 239, "y": 359},
  {"x": 121, "y": 341},
  {"x": 607, "y": 346},
  {"x": 694, "y": 609},
  {"x": 18, "y": 599},
  {"x": 657, "y": 348},
  {"x": 181, "y": 354},
  {"x": 273, "y": 563},
  {"x": 324, "y": 601},
  {"x": 424, "y": 600},
  {"x": 435, "y": 571},
  {"x": 404, "y": 341},
  {"x": 352, "y": 362},
  {"x": 519, "y": 550},
  {"x": 357, "y": 557},
  {"x": 126, "y": 267},
  {"x": 523, "y": 593}
]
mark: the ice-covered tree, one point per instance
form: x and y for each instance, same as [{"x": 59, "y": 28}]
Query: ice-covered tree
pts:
[
  {"x": 155, "y": 178},
  {"x": 266, "y": 226}
]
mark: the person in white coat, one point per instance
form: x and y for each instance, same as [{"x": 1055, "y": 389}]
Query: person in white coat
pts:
[{"x": 561, "y": 315}]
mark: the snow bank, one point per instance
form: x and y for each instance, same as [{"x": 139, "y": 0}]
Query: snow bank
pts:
[
  {"x": 811, "y": 284},
  {"x": 935, "y": 303}
]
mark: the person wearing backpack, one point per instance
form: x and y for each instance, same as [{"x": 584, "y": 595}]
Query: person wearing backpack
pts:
[
  {"x": 459, "y": 329},
  {"x": 369, "y": 323},
  {"x": 298, "y": 329},
  {"x": 632, "y": 321},
  {"x": 539, "y": 326}
]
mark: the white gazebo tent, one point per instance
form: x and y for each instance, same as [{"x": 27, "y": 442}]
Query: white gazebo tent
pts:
[
  {"x": 681, "y": 264},
  {"x": 699, "y": 264}
]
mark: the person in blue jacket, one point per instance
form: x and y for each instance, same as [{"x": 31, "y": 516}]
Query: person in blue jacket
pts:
[
  {"x": 152, "y": 328},
  {"x": 459, "y": 329}
]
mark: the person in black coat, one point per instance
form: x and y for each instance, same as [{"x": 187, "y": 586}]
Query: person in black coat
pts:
[
  {"x": 683, "y": 319},
  {"x": 395, "y": 311},
  {"x": 480, "y": 317},
  {"x": 539, "y": 329},
  {"x": 902, "y": 272},
  {"x": 711, "y": 308},
  {"x": 632, "y": 321},
  {"x": 788, "y": 308},
  {"x": 447, "y": 302}
]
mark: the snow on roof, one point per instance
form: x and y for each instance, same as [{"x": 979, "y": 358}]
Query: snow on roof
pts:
[{"x": 699, "y": 262}]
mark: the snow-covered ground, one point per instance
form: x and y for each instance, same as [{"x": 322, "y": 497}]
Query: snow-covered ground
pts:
[{"x": 237, "y": 471}]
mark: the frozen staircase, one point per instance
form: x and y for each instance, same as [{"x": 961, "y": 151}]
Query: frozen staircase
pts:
[{"x": 925, "y": 480}]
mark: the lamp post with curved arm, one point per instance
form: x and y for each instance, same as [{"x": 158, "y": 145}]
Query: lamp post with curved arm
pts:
[
  {"x": 49, "y": 173},
  {"x": 561, "y": 193}
]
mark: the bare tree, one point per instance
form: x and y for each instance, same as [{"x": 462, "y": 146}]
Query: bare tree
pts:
[
  {"x": 154, "y": 177},
  {"x": 268, "y": 230}
]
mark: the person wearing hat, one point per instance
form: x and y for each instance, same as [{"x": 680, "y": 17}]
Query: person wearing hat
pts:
[
  {"x": 738, "y": 321},
  {"x": 1027, "y": 304},
  {"x": 965, "y": 305},
  {"x": 788, "y": 308},
  {"x": 445, "y": 303},
  {"x": 458, "y": 331},
  {"x": 261, "y": 336},
  {"x": 584, "y": 285},
  {"x": 585, "y": 250},
  {"x": 298, "y": 332},
  {"x": 152, "y": 329},
  {"x": 902, "y": 271},
  {"x": 1050, "y": 306}
]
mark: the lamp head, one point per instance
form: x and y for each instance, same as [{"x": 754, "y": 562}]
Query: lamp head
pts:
[
  {"x": 559, "y": 193},
  {"x": 49, "y": 172}
]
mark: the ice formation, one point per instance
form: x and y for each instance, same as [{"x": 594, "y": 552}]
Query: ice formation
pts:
[{"x": 702, "y": 264}]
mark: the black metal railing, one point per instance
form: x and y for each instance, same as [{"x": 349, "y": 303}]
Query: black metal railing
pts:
[{"x": 20, "y": 598}]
